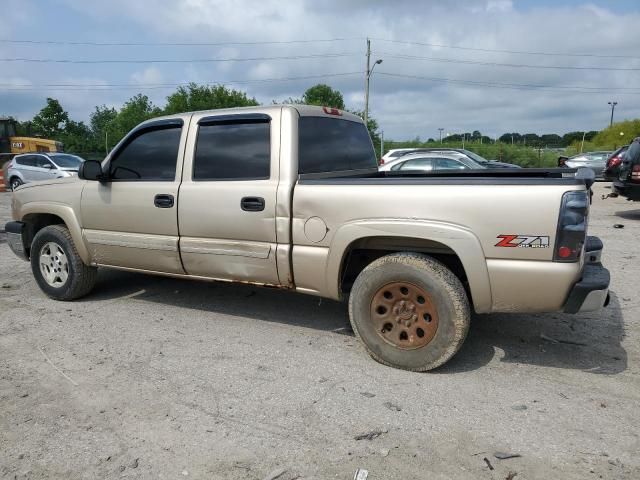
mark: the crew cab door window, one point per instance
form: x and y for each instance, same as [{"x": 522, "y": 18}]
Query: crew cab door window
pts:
[
  {"x": 150, "y": 155},
  {"x": 234, "y": 150}
]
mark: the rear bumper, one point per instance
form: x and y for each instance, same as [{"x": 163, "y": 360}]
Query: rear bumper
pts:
[
  {"x": 15, "y": 239},
  {"x": 591, "y": 292},
  {"x": 628, "y": 190}
]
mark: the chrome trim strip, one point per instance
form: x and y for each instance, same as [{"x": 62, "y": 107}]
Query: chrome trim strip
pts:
[
  {"x": 225, "y": 247},
  {"x": 132, "y": 240}
]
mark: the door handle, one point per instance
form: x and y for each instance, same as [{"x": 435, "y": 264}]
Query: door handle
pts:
[
  {"x": 163, "y": 200},
  {"x": 252, "y": 204}
]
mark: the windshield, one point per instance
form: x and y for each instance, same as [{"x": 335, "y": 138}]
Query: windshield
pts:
[
  {"x": 66, "y": 161},
  {"x": 475, "y": 157}
]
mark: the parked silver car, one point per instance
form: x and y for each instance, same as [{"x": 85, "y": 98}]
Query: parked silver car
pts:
[
  {"x": 596, "y": 161},
  {"x": 428, "y": 162},
  {"x": 31, "y": 167}
]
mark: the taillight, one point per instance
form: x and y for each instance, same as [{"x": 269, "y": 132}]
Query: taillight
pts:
[
  {"x": 635, "y": 173},
  {"x": 562, "y": 162},
  {"x": 381, "y": 162},
  {"x": 332, "y": 111},
  {"x": 614, "y": 161},
  {"x": 572, "y": 226}
]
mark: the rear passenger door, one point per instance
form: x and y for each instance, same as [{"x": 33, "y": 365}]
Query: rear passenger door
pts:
[
  {"x": 27, "y": 166},
  {"x": 227, "y": 204}
]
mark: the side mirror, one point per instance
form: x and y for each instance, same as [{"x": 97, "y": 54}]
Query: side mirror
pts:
[
  {"x": 48, "y": 166},
  {"x": 91, "y": 170}
]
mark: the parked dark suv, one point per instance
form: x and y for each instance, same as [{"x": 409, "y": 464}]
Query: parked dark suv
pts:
[{"x": 627, "y": 182}]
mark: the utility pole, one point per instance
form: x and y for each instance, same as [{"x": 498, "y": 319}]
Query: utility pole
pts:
[
  {"x": 613, "y": 107},
  {"x": 366, "y": 84},
  {"x": 381, "y": 143},
  {"x": 463, "y": 137},
  {"x": 106, "y": 143},
  {"x": 582, "y": 144},
  {"x": 441, "y": 130}
]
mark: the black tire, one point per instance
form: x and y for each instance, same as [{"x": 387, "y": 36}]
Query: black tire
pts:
[
  {"x": 446, "y": 295},
  {"x": 14, "y": 183},
  {"x": 80, "y": 278}
]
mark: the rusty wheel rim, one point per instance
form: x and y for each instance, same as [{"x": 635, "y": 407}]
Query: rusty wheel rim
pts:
[{"x": 404, "y": 315}]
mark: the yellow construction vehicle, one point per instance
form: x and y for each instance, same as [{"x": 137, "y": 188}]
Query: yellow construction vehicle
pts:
[{"x": 10, "y": 143}]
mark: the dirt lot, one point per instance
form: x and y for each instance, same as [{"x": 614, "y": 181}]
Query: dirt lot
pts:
[{"x": 161, "y": 378}]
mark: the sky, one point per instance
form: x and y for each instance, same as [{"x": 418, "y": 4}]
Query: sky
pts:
[{"x": 536, "y": 66}]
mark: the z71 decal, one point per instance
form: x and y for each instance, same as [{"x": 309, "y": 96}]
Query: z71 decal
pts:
[{"x": 523, "y": 241}]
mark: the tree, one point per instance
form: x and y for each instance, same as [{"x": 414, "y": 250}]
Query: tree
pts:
[
  {"x": 324, "y": 96},
  {"x": 51, "y": 120},
  {"x": 136, "y": 110},
  {"x": 102, "y": 124},
  {"x": 77, "y": 137},
  {"x": 205, "y": 97}
]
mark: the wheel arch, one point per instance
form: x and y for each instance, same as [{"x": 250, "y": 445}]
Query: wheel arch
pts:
[
  {"x": 37, "y": 216},
  {"x": 455, "y": 246}
]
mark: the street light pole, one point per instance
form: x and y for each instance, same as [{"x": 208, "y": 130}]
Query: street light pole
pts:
[
  {"x": 440, "y": 130},
  {"x": 366, "y": 84},
  {"x": 613, "y": 107}
]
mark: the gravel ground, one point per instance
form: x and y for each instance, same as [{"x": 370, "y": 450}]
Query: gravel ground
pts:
[{"x": 160, "y": 378}]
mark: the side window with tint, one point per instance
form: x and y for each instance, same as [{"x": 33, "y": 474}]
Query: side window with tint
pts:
[
  {"x": 150, "y": 155},
  {"x": 42, "y": 162},
  {"x": 448, "y": 164},
  {"x": 417, "y": 164},
  {"x": 234, "y": 150}
]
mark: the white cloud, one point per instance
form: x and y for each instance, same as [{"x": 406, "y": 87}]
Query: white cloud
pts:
[
  {"x": 150, "y": 75},
  {"x": 404, "y": 107}
]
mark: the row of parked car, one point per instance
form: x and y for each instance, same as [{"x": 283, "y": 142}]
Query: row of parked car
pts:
[
  {"x": 621, "y": 167},
  {"x": 436, "y": 159}
]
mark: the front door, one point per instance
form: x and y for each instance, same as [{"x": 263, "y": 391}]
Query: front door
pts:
[
  {"x": 131, "y": 220},
  {"x": 227, "y": 208}
]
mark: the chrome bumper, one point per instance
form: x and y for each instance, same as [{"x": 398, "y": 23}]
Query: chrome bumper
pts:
[{"x": 14, "y": 239}]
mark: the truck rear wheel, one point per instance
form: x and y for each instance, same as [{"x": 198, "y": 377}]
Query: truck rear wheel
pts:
[
  {"x": 410, "y": 311},
  {"x": 57, "y": 267}
]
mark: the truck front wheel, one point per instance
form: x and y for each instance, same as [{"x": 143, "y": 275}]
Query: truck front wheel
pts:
[
  {"x": 57, "y": 267},
  {"x": 410, "y": 311}
]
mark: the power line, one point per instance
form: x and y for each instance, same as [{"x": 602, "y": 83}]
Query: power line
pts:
[
  {"x": 495, "y": 50},
  {"x": 322, "y": 40},
  {"x": 173, "y": 44},
  {"x": 509, "y": 65},
  {"x": 127, "y": 86},
  {"x": 196, "y": 60},
  {"x": 519, "y": 86}
]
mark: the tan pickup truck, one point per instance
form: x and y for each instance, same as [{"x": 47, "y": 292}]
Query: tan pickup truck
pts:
[{"x": 290, "y": 196}]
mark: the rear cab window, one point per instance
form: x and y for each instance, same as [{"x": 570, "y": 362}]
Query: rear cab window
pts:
[{"x": 333, "y": 145}]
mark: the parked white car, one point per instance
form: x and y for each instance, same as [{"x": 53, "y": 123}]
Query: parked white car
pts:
[
  {"x": 427, "y": 162},
  {"x": 395, "y": 154},
  {"x": 31, "y": 167}
]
